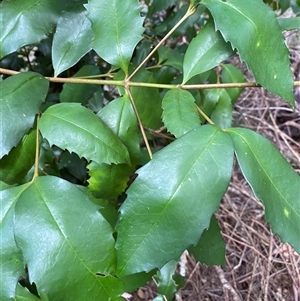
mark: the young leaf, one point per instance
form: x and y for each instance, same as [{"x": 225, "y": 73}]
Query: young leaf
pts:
[
  {"x": 20, "y": 99},
  {"x": 247, "y": 25},
  {"x": 56, "y": 222},
  {"x": 24, "y": 295},
  {"x": 11, "y": 267},
  {"x": 117, "y": 26},
  {"x": 77, "y": 129},
  {"x": 72, "y": 39},
  {"x": 15, "y": 165},
  {"x": 27, "y": 22},
  {"x": 231, "y": 74},
  {"x": 210, "y": 249},
  {"x": 273, "y": 181},
  {"x": 174, "y": 195},
  {"x": 205, "y": 52},
  {"x": 180, "y": 112},
  {"x": 289, "y": 23}
]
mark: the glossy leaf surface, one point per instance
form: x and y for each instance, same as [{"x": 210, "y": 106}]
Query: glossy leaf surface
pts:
[
  {"x": 57, "y": 227},
  {"x": 77, "y": 129},
  {"x": 173, "y": 196},
  {"x": 27, "y": 22},
  {"x": 180, "y": 112},
  {"x": 20, "y": 99},
  {"x": 205, "y": 52},
  {"x": 266, "y": 55},
  {"x": 273, "y": 181},
  {"x": 72, "y": 39},
  {"x": 117, "y": 27},
  {"x": 11, "y": 267}
]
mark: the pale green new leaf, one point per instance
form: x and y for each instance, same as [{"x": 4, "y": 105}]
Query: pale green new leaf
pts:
[
  {"x": 180, "y": 113},
  {"x": 205, "y": 52},
  {"x": 117, "y": 27},
  {"x": 65, "y": 242},
  {"x": 27, "y": 22},
  {"x": 15, "y": 165},
  {"x": 11, "y": 267},
  {"x": 72, "y": 39},
  {"x": 20, "y": 99},
  {"x": 252, "y": 28},
  {"x": 77, "y": 129},
  {"x": 273, "y": 181},
  {"x": 173, "y": 196},
  {"x": 24, "y": 295}
]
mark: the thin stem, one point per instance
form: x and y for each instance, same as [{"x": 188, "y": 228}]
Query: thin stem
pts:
[
  {"x": 191, "y": 10},
  {"x": 37, "y": 151},
  {"x": 204, "y": 116},
  {"x": 139, "y": 121}
]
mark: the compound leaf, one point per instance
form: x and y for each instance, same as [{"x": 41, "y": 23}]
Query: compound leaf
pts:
[
  {"x": 173, "y": 196},
  {"x": 247, "y": 25},
  {"x": 62, "y": 235},
  {"x": 73, "y": 127},
  {"x": 205, "y": 52},
  {"x": 273, "y": 181},
  {"x": 117, "y": 27},
  {"x": 20, "y": 99},
  {"x": 72, "y": 39},
  {"x": 180, "y": 113}
]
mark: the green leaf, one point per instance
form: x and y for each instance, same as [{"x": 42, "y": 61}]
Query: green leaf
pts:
[
  {"x": 166, "y": 285},
  {"x": 56, "y": 222},
  {"x": 289, "y": 23},
  {"x": 108, "y": 181},
  {"x": 222, "y": 114},
  {"x": 27, "y": 22},
  {"x": 247, "y": 25},
  {"x": 205, "y": 52},
  {"x": 210, "y": 249},
  {"x": 20, "y": 159},
  {"x": 173, "y": 196},
  {"x": 119, "y": 116},
  {"x": 72, "y": 39},
  {"x": 170, "y": 57},
  {"x": 11, "y": 267},
  {"x": 80, "y": 93},
  {"x": 231, "y": 74},
  {"x": 147, "y": 100},
  {"x": 73, "y": 127},
  {"x": 20, "y": 100},
  {"x": 117, "y": 26},
  {"x": 24, "y": 295},
  {"x": 273, "y": 181},
  {"x": 180, "y": 112}
]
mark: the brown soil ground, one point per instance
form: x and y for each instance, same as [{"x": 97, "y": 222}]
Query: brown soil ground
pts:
[{"x": 258, "y": 266}]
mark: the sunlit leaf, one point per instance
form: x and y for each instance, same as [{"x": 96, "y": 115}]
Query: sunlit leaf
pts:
[
  {"x": 58, "y": 228},
  {"x": 20, "y": 99},
  {"x": 174, "y": 195},
  {"x": 273, "y": 181},
  {"x": 180, "y": 112},
  {"x": 117, "y": 26},
  {"x": 77, "y": 129},
  {"x": 247, "y": 25}
]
